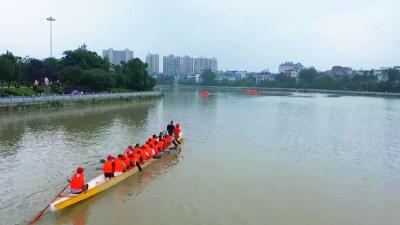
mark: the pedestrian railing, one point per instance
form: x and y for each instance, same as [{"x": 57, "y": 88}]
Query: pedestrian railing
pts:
[{"x": 74, "y": 97}]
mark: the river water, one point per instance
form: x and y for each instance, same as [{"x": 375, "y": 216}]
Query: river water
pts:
[{"x": 274, "y": 159}]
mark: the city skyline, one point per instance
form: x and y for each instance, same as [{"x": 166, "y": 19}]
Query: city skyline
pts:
[{"x": 251, "y": 36}]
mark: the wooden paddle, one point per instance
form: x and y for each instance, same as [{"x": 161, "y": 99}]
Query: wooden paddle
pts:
[{"x": 40, "y": 214}]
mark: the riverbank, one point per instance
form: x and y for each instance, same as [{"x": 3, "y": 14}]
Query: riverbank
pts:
[
  {"x": 322, "y": 91},
  {"x": 21, "y": 103}
]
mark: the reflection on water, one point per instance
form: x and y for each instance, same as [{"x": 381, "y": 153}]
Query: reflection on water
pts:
[{"x": 249, "y": 159}]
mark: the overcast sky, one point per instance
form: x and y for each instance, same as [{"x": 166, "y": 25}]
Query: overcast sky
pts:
[{"x": 243, "y": 34}]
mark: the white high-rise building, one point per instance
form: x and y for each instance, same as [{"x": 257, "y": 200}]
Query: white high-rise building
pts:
[
  {"x": 171, "y": 65},
  {"x": 201, "y": 64},
  {"x": 153, "y": 61},
  {"x": 214, "y": 64},
  {"x": 186, "y": 65},
  {"x": 117, "y": 56},
  {"x": 175, "y": 65}
]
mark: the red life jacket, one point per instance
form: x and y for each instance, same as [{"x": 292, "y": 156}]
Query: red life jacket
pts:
[
  {"x": 127, "y": 162},
  {"x": 108, "y": 167},
  {"x": 78, "y": 181},
  {"x": 144, "y": 155},
  {"x": 147, "y": 149},
  {"x": 155, "y": 148},
  {"x": 150, "y": 151},
  {"x": 119, "y": 165},
  {"x": 177, "y": 131},
  {"x": 161, "y": 145},
  {"x": 130, "y": 151},
  {"x": 137, "y": 156}
]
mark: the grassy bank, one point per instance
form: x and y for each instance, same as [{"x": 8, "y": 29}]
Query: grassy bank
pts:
[{"x": 23, "y": 91}]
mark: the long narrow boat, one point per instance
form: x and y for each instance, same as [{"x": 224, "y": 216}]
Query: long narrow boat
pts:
[{"x": 99, "y": 184}]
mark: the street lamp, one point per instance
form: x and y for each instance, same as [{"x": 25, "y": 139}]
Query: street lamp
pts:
[{"x": 51, "y": 19}]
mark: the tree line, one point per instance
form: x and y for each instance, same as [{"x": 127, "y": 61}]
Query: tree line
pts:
[
  {"x": 78, "y": 69},
  {"x": 310, "y": 78}
]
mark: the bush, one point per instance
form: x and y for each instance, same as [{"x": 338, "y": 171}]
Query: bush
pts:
[
  {"x": 38, "y": 89},
  {"x": 57, "y": 89},
  {"x": 18, "y": 92}
]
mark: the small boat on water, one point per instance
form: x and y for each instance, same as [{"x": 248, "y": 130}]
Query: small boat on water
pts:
[
  {"x": 100, "y": 184},
  {"x": 204, "y": 93},
  {"x": 252, "y": 92}
]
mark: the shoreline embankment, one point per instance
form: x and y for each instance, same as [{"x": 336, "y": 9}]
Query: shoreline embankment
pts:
[{"x": 55, "y": 101}]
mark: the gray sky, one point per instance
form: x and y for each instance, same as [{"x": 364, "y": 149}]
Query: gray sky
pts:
[{"x": 244, "y": 35}]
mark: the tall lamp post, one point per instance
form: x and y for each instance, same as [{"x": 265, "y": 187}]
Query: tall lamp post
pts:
[{"x": 51, "y": 20}]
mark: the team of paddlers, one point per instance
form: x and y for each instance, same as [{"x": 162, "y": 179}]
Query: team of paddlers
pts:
[{"x": 133, "y": 156}]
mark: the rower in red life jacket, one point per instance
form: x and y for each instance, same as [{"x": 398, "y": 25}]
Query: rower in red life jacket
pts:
[
  {"x": 168, "y": 140},
  {"x": 127, "y": 161},
  {"x": 154, "y": 139},
  {"x": 136, "y": 148},
  {"x": 119, "y": 166},
  {"x": 177, "y": 130},
  {"x": 129, "y": 149},
  {"x": 160, "y": 145},
  {"x": 77, "y": 183},
  {"x": 137, "y": 154},
  {"x": 144, "y": 154},
  {"x": 108, "y": 167},
  {"x": 148, "y": 142},
  {"x": 153, "y": 150},
  {"x": 135, "y": 160},
  {"x": 148, "y": 150},
  {"x": 132, "y": 160},
  {"x": 175, "y": 140},
  {"x": 156, "y": 148},
  {"x": 160, "y": 136}
]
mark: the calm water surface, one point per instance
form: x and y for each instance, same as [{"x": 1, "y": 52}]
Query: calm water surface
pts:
[{"x": 301, "y": 159}]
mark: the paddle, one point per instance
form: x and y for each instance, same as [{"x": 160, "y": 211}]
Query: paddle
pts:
[{"x": 40, "y": 214}]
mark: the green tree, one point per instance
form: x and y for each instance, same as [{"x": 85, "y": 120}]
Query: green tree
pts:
[
  {"x": 84, "y": 59},
  {"x": 323, "y": 82},
  {"x": 307, "y": 77},
  {"x": 16, "y": 70},
  {"x": 120, "y": 79},
  {"x": 208, "y": 77},
  {"x": 71, "y": 76},
  {"x": 7, "y": 70},
  {"x": 33, "y": 69},
  {"x": 51, "y": 68},
  {"x": 97, "y": 80},
  {"x": 393, "y": 79},
  {"x": 136, "y": 75}
]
